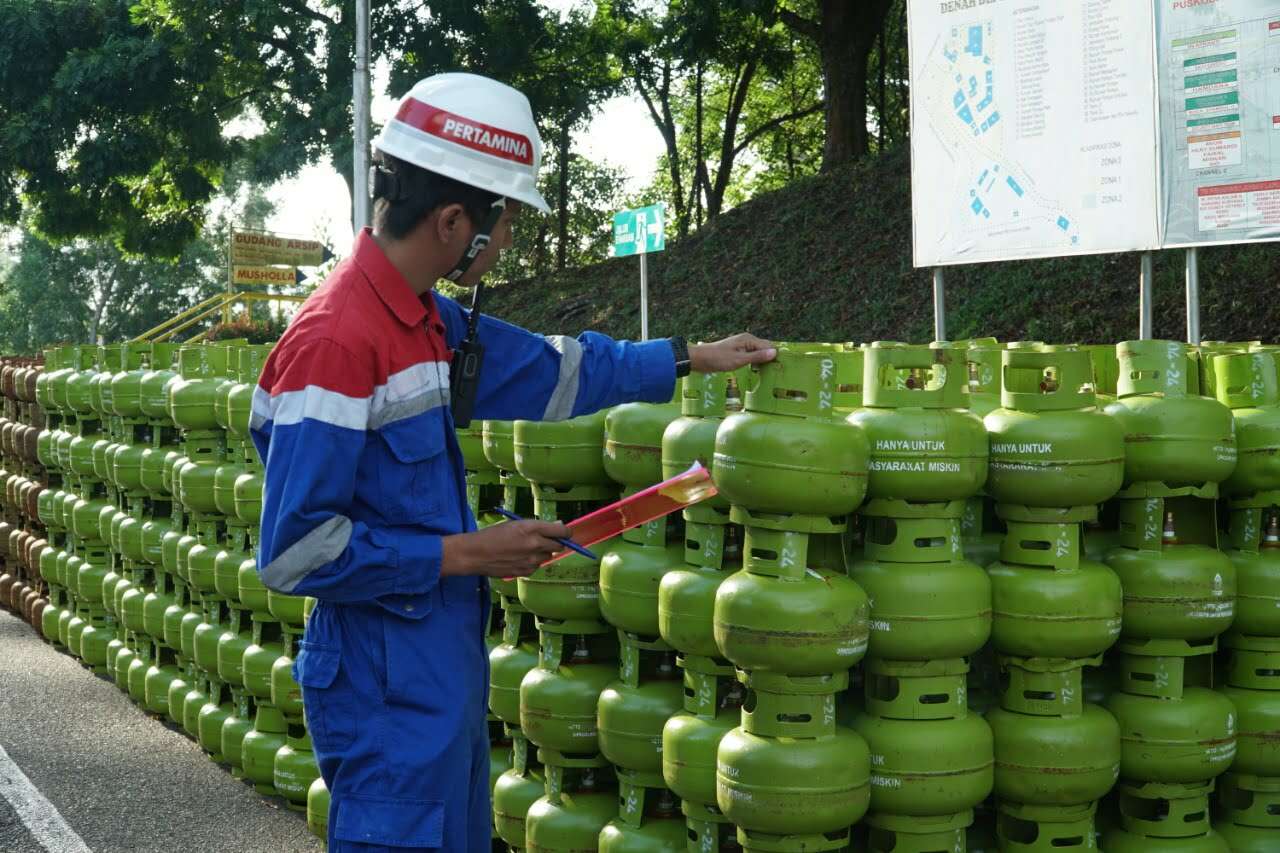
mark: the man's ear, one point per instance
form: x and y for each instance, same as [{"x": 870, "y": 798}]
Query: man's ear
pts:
[{"x": 450, "y": 222}]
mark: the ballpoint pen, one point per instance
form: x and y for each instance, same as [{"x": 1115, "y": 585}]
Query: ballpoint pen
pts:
[{"x": 568, "y": 543}]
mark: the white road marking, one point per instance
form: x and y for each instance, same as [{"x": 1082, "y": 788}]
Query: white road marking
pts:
[{"x": 36, "y": 813}]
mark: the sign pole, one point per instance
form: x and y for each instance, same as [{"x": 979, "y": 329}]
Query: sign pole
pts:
[
  {"x": 1146, "y": 310},
  {"x": 231, "y": 276},
  {"x": 939, "y": 305},
  {"x": 644, "y": 297},
  {"x": 360, "y": 86},
  {"x": 1193, "y": 297}
]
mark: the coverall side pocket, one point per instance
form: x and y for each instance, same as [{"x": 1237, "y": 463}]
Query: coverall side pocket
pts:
[
  {"x": 329, "y": 709},
  {"x": 389, "y": 821}
]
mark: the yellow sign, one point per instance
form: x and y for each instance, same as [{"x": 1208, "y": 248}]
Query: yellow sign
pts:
[
  {"x": 258, "y": 275},
  {"x": 262, "y": 247}
]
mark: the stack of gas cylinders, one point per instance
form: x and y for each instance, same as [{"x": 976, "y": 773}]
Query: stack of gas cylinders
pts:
[
  {"x": 138, "y": 508},
  {"x": 965, "y": 596},
  {"x": 968, "y": 596}
]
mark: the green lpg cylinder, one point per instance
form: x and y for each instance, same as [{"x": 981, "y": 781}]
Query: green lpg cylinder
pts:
[
  {"x": 929, "y": 756},
  {"x": 471, "y": 443},
  {"x": 789, "y": 770},
  {"x": 1246, "y": 839},
  {"x": 1048, "y": 600},
  {"x": 1050, "y": 446},
  {"x": 1254, "y": 537},
  {"x": 783, "y": 614},
  {"x": 790, "y": 452},
  {"x": 558, "y": 698},
  {"x": 261, "y": 746},
  {"x": 499, "y": 752},
  {"x": 515, "y": 793},
  {"x": 1052, "y": 748},
  {"x": 498, "y": 443},
  {"x": 578, "y": 804},
  {"x": 318, "y": 809},
  {"x": 1247, "y": 383},
  {"x": 632, "y": 711},
  {"x": 1248, "y": 801},
  {"x": 261, "y": 656},
  {"x": 1186, "y": 740},
  {"x": 1258, "y": 734},
  {"x": 687, "y": 595},
  {"x": 705, "y": 400},
  {"x": 562, "y": 454},
  {"x": 649, "y": 821},
  {"x": 712, "y": 546},
  {"x": 1172, "y": 434},
  {"x": 712, "y": 702},
  {"x": 631, "y": 574},
  {"x": 1158, "y": 817},
  {"x": 509, "y": 662},
  {"x": 632, "y": 570},
  {"x": 1177, "y": 584},
  {"x": 633, "y": 441},
  {"x": 927, "y": 601},
  {"x": 924, "y": 446},
  {"x": 295, "y": 768}
]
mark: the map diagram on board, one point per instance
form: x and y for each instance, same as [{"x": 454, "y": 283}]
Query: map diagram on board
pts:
[{"x": 992, "y": 195}]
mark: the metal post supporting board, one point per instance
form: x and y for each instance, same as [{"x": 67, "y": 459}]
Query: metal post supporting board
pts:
[
  {"x": 939, "y": 305},
  {"x": 1146, "y": 312},
  {"x": 1193, "y": 297},
  {"x": 360, "y": 162},
  {"x": 644, "y": 297}
]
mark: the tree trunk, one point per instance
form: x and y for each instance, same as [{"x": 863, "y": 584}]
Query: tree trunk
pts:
[
  {"x": 562, "y": 196},
  {"x": 540, "y": 248},
  {"x": 728, "y": 149},
  {"x": 880, "y": 105},
  {"x": 845, "y": 33},
  {"x": 699, "y": 158}
]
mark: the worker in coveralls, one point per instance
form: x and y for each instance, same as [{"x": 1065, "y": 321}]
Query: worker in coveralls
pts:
[{"x": 364, "y": 505}]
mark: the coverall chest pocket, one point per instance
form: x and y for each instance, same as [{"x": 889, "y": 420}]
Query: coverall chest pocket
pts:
[{"x": 413, "y": 481}]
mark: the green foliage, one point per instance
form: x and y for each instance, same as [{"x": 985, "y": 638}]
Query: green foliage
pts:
[
  {"x": 595, "y": 192},
  {"x": 108, "y": 128},
  {"x": 264, "y": 331},
  {"x": 88, "y": 289}
]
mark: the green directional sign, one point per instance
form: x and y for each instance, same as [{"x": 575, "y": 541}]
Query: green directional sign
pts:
[{"x": 639, "y": 231}]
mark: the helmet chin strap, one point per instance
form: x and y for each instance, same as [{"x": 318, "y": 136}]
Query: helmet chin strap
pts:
[
  {"x": 479, "y": 242},
  {"x": 464, "y": 367}
]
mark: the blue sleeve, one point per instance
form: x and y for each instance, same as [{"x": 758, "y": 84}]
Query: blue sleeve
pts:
[
  {"x": 311, "y": 439},
  {"x": 531, "y": 377}
]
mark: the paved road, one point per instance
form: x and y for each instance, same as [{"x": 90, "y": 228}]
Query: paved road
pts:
[{"x": 120, "y": 780}]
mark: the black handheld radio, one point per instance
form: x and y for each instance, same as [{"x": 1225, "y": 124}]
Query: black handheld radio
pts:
[{"x": 464, "y": 370}]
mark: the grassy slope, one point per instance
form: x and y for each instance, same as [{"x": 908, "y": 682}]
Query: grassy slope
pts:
[{"x": 829, "y": 258}]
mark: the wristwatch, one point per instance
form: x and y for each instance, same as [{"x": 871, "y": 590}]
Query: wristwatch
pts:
[{"x": 680, "y": 349}]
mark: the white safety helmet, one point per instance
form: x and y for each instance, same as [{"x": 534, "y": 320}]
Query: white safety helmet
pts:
[{"x": 472, "y": 129}]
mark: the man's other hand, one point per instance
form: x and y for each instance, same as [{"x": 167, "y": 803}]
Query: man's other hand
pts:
[
  {"x": 506, "y": 550},
  {"x": 731, "y": 353}
]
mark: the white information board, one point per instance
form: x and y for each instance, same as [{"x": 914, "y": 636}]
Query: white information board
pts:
[
  {"x": 1219, "y": 65},
  {"x": 1033, "y": 128}
]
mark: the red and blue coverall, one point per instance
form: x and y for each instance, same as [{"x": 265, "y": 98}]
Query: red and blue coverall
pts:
[{"x": 363, "y": 478}]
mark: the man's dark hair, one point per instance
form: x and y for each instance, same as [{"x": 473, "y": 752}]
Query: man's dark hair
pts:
[{"x": 421, "y": 191}]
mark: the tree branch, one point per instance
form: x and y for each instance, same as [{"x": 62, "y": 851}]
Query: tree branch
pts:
[
  {"x": 775, "y": 122},
  {"x": 804, "y": 26},
  {"x": 303, "y": 9}
]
